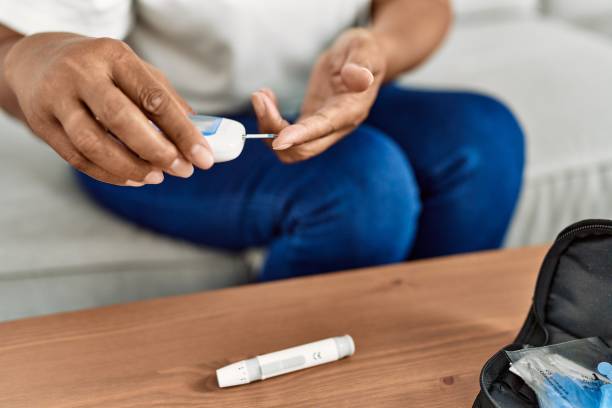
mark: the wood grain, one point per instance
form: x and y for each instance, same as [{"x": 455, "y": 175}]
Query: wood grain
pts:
[{"x": 423, "y": 330}]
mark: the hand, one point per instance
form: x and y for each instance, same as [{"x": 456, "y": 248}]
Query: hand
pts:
[
  {"x": 343, "y": 86},
  {"x": 95, "y": 102}
]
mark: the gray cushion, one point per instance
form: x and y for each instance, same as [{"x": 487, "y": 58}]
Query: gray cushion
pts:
[{"x": 59, "y": 251}]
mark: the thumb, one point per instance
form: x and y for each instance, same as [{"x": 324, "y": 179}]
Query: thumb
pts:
[
  {"x": 356, "y": 73},
  {"x": 266, "y": 110}
]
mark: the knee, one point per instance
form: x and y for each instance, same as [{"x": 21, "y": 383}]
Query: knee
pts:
[
  {"x": 493, "y": 134},
  {"x": 488, "y": 157},
  {"x": 375, "y": 201}
]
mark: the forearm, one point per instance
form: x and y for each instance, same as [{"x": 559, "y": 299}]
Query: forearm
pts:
[
  {"x": 409, "y": 31},
  {"x": 8, "y": 100}
]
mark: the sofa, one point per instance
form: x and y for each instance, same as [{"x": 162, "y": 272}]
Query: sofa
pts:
[{"x": 545, "y": 59}]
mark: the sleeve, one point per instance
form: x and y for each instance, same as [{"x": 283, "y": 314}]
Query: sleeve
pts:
[{"x": 94, "y": 18}]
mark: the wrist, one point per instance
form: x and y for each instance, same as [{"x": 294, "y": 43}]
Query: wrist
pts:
[
  {"x": 20, "y": 57},
  {"x": 6, "y": 46},
  {"x": 368, "y": 43},
  {"x": 8, "y": 99},
  {"x": 387, "y": 46}
]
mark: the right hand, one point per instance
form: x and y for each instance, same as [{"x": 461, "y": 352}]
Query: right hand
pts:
[{"x": 93, "y": 100}]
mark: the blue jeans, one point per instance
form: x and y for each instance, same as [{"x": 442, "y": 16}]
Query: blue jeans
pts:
[{"x": 427, "y": 174}]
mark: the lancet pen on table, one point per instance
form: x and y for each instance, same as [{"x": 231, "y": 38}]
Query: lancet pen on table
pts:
[{"x": 286, "y": 361}]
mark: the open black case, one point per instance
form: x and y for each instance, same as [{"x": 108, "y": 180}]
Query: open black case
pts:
[{"x": 572, "y": 300}]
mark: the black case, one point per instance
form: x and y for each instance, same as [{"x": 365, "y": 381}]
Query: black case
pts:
[{"x": 572, "y": 300}]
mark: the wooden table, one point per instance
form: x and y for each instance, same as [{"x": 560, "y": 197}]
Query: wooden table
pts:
[{"x": 423, "y": 331}]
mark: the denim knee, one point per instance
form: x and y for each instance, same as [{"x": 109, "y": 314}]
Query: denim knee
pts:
[
  {"x": 367, "y": 201},
  {"x": 484, "y": 172},
  {"x": 495, "y": 136}
]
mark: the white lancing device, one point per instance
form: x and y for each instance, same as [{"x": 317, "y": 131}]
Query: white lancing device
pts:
[
  {"x": 225, "y": 137},
  {"x": 286, "y": 361}
]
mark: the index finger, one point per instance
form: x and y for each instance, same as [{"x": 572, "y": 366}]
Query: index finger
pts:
[
  {"x": 327, "y": 120},
  {"x": 121, "y": 116},
  {"x": 152, "y": 97}
]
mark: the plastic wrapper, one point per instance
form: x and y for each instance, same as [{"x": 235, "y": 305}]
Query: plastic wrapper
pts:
[{"x": 565, "y": 375}]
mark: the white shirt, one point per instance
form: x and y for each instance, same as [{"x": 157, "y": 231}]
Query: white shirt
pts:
[{"x": 215, "y": 52}]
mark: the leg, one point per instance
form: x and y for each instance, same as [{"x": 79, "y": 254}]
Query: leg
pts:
[
  {"x": 467, "y": 152},
  {"x": 343, "y": 209}
]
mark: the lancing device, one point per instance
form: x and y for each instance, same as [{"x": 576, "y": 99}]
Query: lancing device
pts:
[
  {"x": 226, "y": 137},
  {"x": 286, "y": 361}
]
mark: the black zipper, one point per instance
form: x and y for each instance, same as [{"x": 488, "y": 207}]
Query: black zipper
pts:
[{"x": 573, "y": 231}]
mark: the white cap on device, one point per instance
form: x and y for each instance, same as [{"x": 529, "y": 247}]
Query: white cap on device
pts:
[{"x": 225, "y": 137}]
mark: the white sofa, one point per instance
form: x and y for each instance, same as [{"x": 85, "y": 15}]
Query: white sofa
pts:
[{"x": 59, "y": 251}]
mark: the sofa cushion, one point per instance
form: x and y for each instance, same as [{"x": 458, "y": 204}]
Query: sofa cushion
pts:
[
  {"x": 557, "y": 80},
  {"x": 593, "y": 15},
  {"x": 478, "y": 9},
  {"x": 577, "y": 9},
  {"x": 59, "y": 251}
]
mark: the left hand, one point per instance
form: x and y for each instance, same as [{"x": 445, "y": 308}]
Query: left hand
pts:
[{"x": 343, "y": 86}]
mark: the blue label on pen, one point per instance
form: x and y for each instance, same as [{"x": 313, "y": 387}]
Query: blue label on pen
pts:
[{"x": 208, "y": 125}]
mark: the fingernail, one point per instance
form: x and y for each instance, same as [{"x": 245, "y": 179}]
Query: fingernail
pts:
[
  {"x": 268, "y": 103},
  {"x": 201, "y": 157},
  {"x": 181, "y": 168},
  {"x": 370, "y": 75},
  {"x": 132, "y": 183},
  {"x": 283, "y": 146},
  {"x": 288, "y": 137},
  {"x": 268, "y": 92},
  {"x": 258, "y": 104},
  {"x": 154, "y": 177}
]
